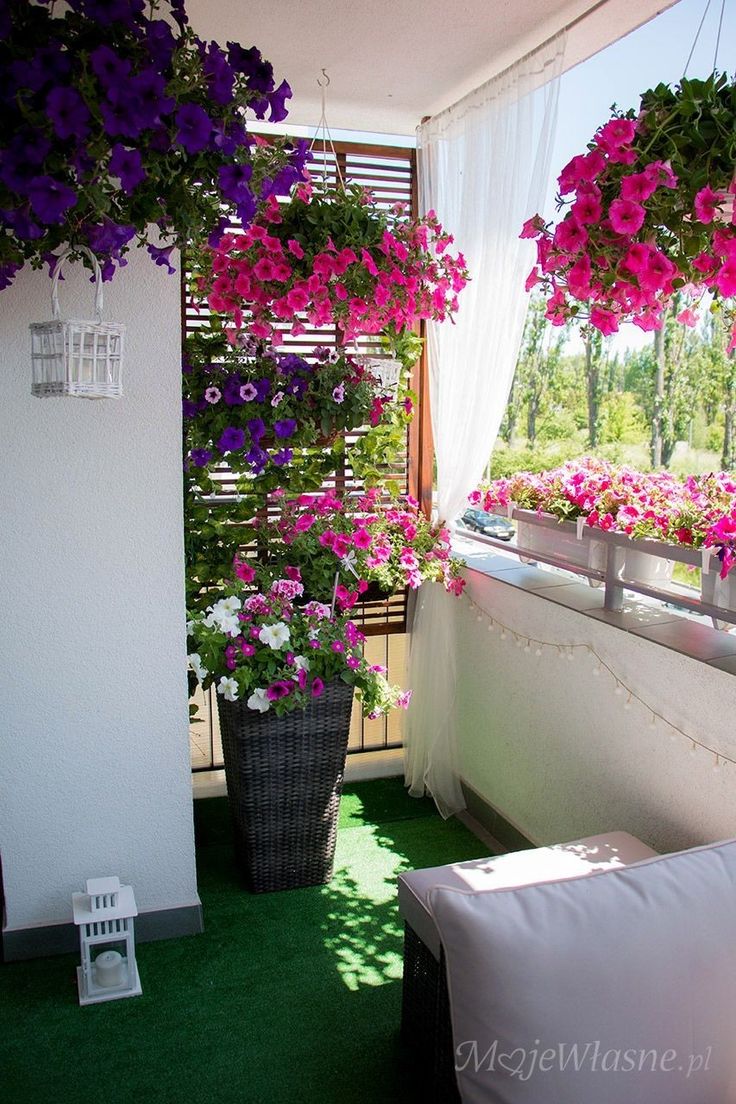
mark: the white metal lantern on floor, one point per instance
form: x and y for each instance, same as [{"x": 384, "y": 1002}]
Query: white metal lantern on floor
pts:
[
  {"x": 104, "y": 916},
  {"x": 73, "y": 357}
]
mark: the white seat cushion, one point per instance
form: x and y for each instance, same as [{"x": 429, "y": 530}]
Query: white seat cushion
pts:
[
  {"x": 618, "y": 988},
  {"x": 541, "y": 864}
]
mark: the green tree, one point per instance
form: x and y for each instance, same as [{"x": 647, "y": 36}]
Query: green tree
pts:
[{"x": 537, "y": 369}]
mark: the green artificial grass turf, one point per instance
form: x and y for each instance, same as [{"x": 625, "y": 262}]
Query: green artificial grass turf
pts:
[{"x": 287, "y": 998}]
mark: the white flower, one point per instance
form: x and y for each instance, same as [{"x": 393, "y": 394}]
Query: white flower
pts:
[
  {"x": 231, "y": 604},
  {"x": 228, "y": 687},
  {"x": 275, "y": 635},
  {"x": 301, "y": 663},
  {"x": 259, "y": 701},
  {"x": 190, "y": 626},
  {"x": 277, "y": 398},
  {"x": 195, "y": 662},
  {"x": 223, "y": 615}
]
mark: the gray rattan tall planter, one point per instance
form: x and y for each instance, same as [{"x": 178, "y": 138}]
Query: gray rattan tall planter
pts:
[{"x": 284, "y": 780}]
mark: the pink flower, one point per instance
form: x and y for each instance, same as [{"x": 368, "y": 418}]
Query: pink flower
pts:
[
  {"x": 247, "y": 649},
  {"x": 637, "y": 257},
  {"x": 688, "y": 317},
  {"x": 616, "y": 133},
  {"x": 626, "y": 216},
  {"x": 726, "y": 278},
  {"x": 570, "y": 236},
  {"x": 638, "y": 187},
  {"x": 707, "y": 203},
  {"x": 661, "y": 172},
  {"x": 243, "y": 570},
  {"x": 295, "y": 248},
  {"x": 587, "y": 208},
  {"x": 318, "y": 687},
  {"x": 604, "y": 320},
  {"x": 532, "y": 227},
  {"x": 212, "y": 395},
  {"x": 362, "y": 538}
]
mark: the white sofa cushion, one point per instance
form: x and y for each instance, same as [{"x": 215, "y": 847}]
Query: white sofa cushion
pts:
[
  {"x": 618, "y": 988},
  {"x": 540, "y": 864}
]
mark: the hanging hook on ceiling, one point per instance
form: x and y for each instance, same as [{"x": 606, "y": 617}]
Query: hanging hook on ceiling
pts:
[{"x": 326, "y": 75}]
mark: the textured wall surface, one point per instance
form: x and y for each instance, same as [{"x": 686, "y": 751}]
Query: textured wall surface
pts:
[
  {"x": 94, "y": 754},
  {"x": 551, "y": 746}
]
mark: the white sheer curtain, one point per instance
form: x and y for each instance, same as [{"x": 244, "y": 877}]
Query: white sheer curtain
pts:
[{"x": 484, "y": 168}]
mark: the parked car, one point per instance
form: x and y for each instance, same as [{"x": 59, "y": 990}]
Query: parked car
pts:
[{"x": 491, "y": 525}]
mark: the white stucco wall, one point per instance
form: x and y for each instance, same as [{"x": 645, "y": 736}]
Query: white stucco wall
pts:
[
  {"x": 551, "y": 746},
  {"x": 94, "y": 754}
]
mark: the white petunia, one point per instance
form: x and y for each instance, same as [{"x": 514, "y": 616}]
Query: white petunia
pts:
[
  {"x": 228, "y": 687},
  {"x": 230, "y": 605},
  {"x": 259, "y": 701},
  {"x": 275, "y": 635},
  {"x": 195, "y": 662},
  {"x": 190, "y": 626},
  {"x": 301, "y": 663}
]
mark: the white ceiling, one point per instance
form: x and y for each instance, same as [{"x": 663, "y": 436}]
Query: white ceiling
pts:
[{"x": 391, "y": 62}]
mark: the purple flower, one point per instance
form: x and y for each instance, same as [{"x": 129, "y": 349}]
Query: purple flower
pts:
[
  {"x": 217, "y": 234},
  {"x": 188, "y": 408},
  {"x": 109, "y": 68},
  {"x": 195, "y": 127},
  {"x": 318, "y": 687},
  {"x": 7, "y": 274},
  {"x": 220, "y": 77},
  {"x": 160, "y": 41},
  {"x": 248, "y": 392},
  {"x": 109, "y": 237},
  {"x": 286, "y": 427},
  {"x": 20, "y": 221},
  {"x": 279, "y": 689},
  {"x": 231, "y": 391},
  {"x": 50, "y": 199},
  {"x": 68, "y": 113},
  {"x": 252, "y": 65},
  {"x": 147, "y": 92},
  {"x": 162, "y": 256},
  {"x": 113, "y": 11},
  {"x": 128, "y": 165},
  {"x": 233, "y": 180},
  {"x": 257, "y": 459},
  {"x": 282, "y": 457},
  {"x": 21, "y": 159},
  {"x": 200, "y": 457},
  {"x": 256, "y": 427},
  {"x": 232, "y": 440},
  {"x": 119, "y": 115},
  {"x": 247, "y": 208},
  {"x": 277, "y": 99},
  {"x": 263, "y": 386}
]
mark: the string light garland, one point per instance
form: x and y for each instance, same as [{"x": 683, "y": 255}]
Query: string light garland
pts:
[{"x": 527, "y": 643}]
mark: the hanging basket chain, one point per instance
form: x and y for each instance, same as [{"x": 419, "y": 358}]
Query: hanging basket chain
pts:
[{"x": 322, "y": 136}]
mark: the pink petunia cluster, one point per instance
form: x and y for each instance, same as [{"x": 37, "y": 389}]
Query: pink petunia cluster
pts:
[
  {"x": 386, "y": 542},
  {"x": 615, "y": 255},
  {"x": 697, "y": 511},
  {"x": 284, "y": 281}
]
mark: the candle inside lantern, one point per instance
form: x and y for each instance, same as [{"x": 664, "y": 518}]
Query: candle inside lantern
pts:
[{"x": 109, "y": 969}]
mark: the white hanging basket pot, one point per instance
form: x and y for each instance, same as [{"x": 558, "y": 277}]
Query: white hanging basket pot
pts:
[{"x": 75, "y": 357}]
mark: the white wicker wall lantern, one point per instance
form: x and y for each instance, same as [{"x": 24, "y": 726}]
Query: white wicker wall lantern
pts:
[
  {"x": 73, "y": 357},
  {"x": 387, "y": 369},
  {"x": 104, "y": 916}
]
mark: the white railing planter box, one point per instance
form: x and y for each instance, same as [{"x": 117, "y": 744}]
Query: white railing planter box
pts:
[
  {"x": 577, "y": 544},
  {"x": 713, "y": 589}
]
